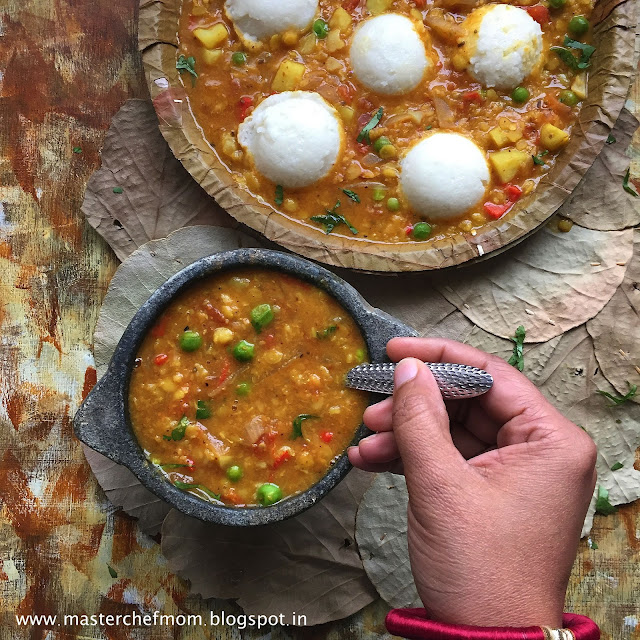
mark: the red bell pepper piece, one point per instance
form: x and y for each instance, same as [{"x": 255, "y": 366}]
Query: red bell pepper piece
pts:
[
  {"x": 283, "y": 457},
  {"x": 326, "y": 436},
  {"x": 513, "y": 191},
  {"x": 539, "y": 13},
  {"x": 161, "y": 358},
  {"x": 242, "y": 108},
  {"x": 497, "y": 210},
  {"x": 472, "y": 96},
  {"x": 224, "y": 373}
]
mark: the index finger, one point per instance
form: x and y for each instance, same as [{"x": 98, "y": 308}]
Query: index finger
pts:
[{"x": 512, "y": 393}]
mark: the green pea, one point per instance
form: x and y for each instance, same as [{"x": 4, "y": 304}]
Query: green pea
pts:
[
  {"x": 520, "y": 94},
  {"x": 268, "y": 494},
  {"x": 557, "y": 4},
  {"x": 378, "y": 194},
  {"x": 320, "y": 28},
  {"x": 382, "y": 141},
  {"x": 578, "y": 26},
  {"x": 234, "y": 473},
  {"x": 421, "y": 230},
  {"x": 190, "y": 340},
  {"x": 243, "y": 351},
  {"x": 239, "y": 58},
  {"x": 360, "y": 355},
  {"x": 393, "y": 204},
  {"x": 569, "y": 98},
  {"x": 243, "y": 389},
  {"x": 261, "y": 316}
]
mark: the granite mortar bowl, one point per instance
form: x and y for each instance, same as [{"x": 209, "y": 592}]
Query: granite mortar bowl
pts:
[{"x": 103, "y": 423}]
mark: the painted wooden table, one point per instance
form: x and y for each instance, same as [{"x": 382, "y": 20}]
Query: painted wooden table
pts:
[{"x": 65, "y": 69}]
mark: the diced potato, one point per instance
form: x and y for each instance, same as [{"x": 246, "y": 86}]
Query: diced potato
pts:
[
  {"x": 579, "y": 86},
  {"x": 211, "y": 56},
  {"x": 377, "y": 7},
  {"x": 334, "y": 42},
  {"x": 347, "y": 113},
  {"x": 290, "y": 38},
  {"x": 307, "y": 43},
  {"x": 222, "y": 336},
  {"x": 211, "y": 37},
  {"x": 333, "y": 65},
  {"x": 508, "y": 163},
  {"x": 288, "y": 76},
  {"x": 502, "y": 138},
  {"x": 459, "y": 62},
  {"x": 340, "y": 20},
  {"x": 552, "y": 138}
]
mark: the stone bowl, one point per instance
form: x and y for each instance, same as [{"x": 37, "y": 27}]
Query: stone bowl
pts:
[{"x": 103, "y": 422}]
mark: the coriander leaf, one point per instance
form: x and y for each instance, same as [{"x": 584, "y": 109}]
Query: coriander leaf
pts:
[
  {"x": 428, "y": 128},
  {"x": 117, "y": 189},
  {"x": 352, "y": 195},
  {"x": 586, "y": 50},
  {"x": 169, "y": 467},
  {"x": 626, "y": 186},
  {"x": 611, "y": 139},
  {"x": 593, "y": 544},
  {"x": 279, "y": 197},
  {"x": 112, "y": 572},
  {"x": 77, "y": 150},
  {"x": 364, "y": 134},
  {"x": 186, "y": 486},
  {"x": 603, "y": 506},
  {"x": 178, "y": 431},
  {"x": 188, "y": 65},
  {"x": 325, "y": 333},
  {"x": 567, "y": 57},
  {"x": 297, "y": 424},
  {"x": 617, "y": 466},
  {"x": 332, "y": 219},
  {"x": 202, "y": 410},
  {"x": 517, "y": 358},
  {"x": 538, "y": 159},
  {"x": 617, "y": 399}
]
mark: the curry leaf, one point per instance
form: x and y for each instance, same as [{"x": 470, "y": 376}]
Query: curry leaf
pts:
[
  {"x": 626, "y": 186},
  {"x": 364, "y": 134},
  {"x": 332, "y": 219},
  {"x": 351, "y": 195},
  {"x": 610, "y": 139},
  {"x": 326, "y": 333},
  {"x": 117, "y": 189},
  {"x": 617, "y": 400},
  {"x": 517, "y": 357},
  {"x": 297, "y": 424},
  {"x": 603, "y": 506},
  {"x": 617, "y": 466},
  {"x": 187, "y": 486},
  {"x": 171, "y": 466},
  {"x": 179, "y": 430},
  {"x": 77, "y": 150},
  {"x": 112, "y": 572},
  {"x": 279, "y": 197}
]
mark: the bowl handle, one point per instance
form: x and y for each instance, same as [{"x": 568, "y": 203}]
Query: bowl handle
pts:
[
  {"x": 384, "y": 327},
  {"x": 98, "y": 422}
]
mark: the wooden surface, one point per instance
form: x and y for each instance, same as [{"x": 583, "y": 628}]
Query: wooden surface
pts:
[{"x": 66, "y": 68}]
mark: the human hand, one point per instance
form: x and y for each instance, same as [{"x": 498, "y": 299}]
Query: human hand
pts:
[{"x": 498, "y": 488}]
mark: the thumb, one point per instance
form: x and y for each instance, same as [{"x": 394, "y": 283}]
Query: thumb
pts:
[{"x": 421, "y": 426}]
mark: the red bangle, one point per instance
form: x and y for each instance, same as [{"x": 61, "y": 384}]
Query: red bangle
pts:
[{"x": 414, "y": 625}]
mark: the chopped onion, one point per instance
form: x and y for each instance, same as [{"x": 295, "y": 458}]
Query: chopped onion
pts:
[
  {"x": 370, "y": 160},
  {"x": 416, "y": 116},
  {"x": 444, "y": 113}
]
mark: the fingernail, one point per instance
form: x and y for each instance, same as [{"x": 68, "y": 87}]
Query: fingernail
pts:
[{"x": 406, "y": 371}]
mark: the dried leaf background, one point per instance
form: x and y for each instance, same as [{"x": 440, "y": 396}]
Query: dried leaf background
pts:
[
  {"x": 309, "y": 564},
  {"x": 548, "y": 283}
]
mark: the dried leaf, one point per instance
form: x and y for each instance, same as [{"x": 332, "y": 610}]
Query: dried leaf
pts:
[
  {"x": 599, "y": 202},
  {"x": 616, "y": 330},
  {"x": 566, "y": 371},
  {"x": 552, "y": 282},
  {"x": 142, "y": 192},
  {"x": 124, "y": 491},
  {"x": 381, "y": 533},
  {"x": 308, "y": 564}
]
